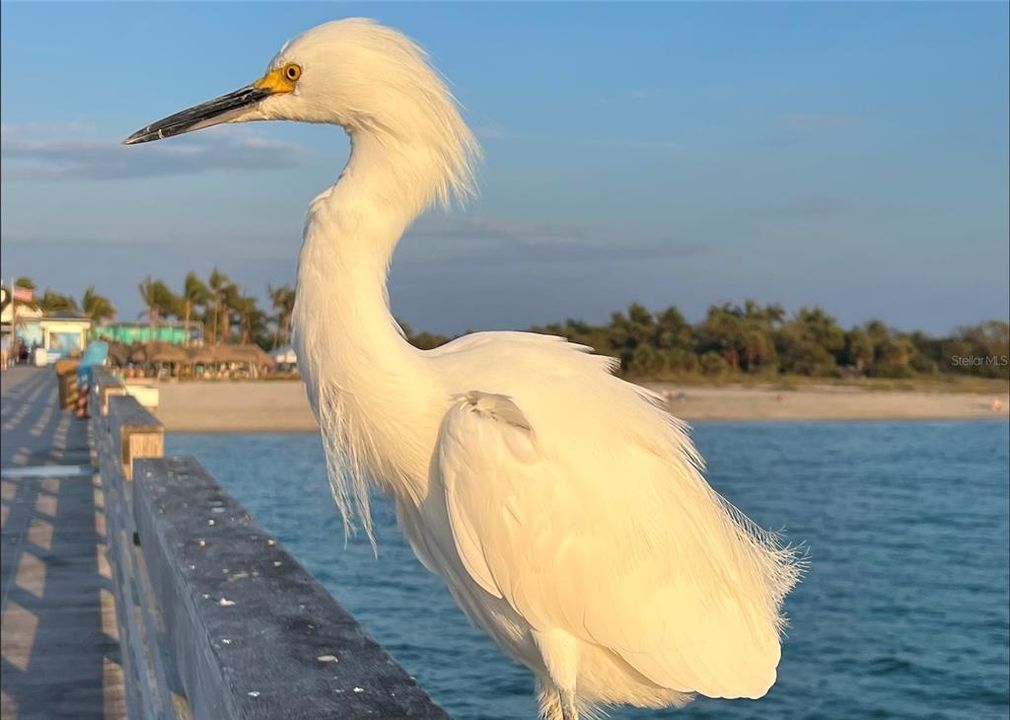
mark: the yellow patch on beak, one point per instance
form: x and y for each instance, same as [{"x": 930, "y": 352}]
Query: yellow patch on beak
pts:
[{"x": 279, "y": 80}]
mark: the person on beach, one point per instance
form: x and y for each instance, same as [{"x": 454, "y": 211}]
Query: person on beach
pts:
[{"x": 94, "y": 356}]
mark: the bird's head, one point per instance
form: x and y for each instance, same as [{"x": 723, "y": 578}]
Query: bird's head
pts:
[{"x": 355, "y": 73}]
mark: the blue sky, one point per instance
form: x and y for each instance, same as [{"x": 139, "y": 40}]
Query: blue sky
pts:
[{"x": 853, "y": 156}]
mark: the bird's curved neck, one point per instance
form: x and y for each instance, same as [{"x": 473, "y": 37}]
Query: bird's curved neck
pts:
[
  {"x": 350, "y": 235},
  {"x": 351, "y": 351}
]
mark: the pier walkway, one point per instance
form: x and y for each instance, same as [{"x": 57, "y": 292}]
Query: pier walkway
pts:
[
  {"x": 60, "y": 645},
  {"x": 134, "y": 585}
]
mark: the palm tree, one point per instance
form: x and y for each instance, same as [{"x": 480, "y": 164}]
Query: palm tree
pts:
[
  {"x": 97, "y": 307},
  {"x": 160, "y": 301},
  {"x": 54, "y": 302},
  {"x": 194, "y": 294},
  {"x": 250, "y": 317},
  {"x": 231, "y": 303},
  {"x": 283, "y": 299},
  {"x": 217, "y": 283}
]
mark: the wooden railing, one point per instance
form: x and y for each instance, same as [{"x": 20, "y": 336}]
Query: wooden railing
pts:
[{"x": 216, "y": 620}]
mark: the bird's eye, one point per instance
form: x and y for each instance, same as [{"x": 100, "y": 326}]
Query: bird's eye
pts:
[{"x": 292, "y": 72}]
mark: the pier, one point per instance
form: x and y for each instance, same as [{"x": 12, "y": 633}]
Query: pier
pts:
[
  {"x": 61, "y": 654},
  {"x": 134, "y": 586}
]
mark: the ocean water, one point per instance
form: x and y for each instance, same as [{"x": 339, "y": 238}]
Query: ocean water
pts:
[{"x": 903, "y": 612}]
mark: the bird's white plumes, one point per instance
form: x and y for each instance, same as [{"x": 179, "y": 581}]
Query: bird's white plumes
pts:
[
  {"x": 564, "y": 508},
  {"x": 380, "y": 86}
]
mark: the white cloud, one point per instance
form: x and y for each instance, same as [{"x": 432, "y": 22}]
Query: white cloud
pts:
[{"x": 71, "y": 151}]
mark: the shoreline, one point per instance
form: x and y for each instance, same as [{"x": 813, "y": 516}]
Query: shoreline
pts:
[{"x": 281, "y": 406}]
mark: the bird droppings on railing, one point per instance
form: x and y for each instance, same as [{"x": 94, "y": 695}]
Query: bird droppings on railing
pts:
[{"x": 180, "y": 653}]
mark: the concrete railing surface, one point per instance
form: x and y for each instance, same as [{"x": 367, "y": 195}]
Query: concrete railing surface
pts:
[{"x": 215, "y": 619}]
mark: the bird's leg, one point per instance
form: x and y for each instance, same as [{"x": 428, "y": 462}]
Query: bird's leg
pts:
[
  {"x": 550, "y": 702},
  {"x": 569, "y": 711},
  {"x": 560, "y": 652},
  {"x": 556, "y": 704}
]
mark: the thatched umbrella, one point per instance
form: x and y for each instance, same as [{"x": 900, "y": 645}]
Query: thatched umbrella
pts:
[
  {"x": 119, "y": 353},
  {"x": 253, "y": 355},
  {"x": 138, "y": 353},
  {"x": 202, "y": 355},
  {"x": 159, "y": 351},
  {"x": 249, "y": 355}
]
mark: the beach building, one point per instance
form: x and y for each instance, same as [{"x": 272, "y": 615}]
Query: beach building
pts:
[
  {"x": 63, "y": 332},
  {"x": 173, "y": 333},
  {"x": 19, "y": 323}
]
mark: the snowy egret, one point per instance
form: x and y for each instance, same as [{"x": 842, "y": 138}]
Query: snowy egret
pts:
[{"x": 563, "y": 507}]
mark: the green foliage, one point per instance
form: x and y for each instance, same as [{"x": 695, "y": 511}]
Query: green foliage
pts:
[
  {"x": 283, "y": 300},
  {"x": 714, "y": 365},
  {"x": 743, "y": 336},
  {"x": 160, "y": 301},
  {"x": 52, "y": 301},
  {"x": 97, "y": 307},
  {"x": 427, "y": 341},
  {"x": 732, "y": 342},
  {"x": 755, "y": 341},
  {"x": 810, "y": 343},
  {"x": 979, "y": 350}
]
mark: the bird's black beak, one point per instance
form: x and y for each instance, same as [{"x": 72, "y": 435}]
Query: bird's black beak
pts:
[{"x": 219, "y": 110}]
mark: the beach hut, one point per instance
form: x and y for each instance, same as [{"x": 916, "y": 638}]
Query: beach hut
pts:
[
  {"x": 119, "y": 354},
  {"x": 201, "y": 355},
  {"x": 256, "y": 355},
  {"x": 163, "y": 352},
  {"x": 204, "y": 361},
  {"x": 250, "y": 356},
  {"x": 158, "y": 355},
  {"x": 234, "y": 360}
]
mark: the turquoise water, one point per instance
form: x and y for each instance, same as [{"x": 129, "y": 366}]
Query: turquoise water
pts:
[{"x": 903, "y": 614}]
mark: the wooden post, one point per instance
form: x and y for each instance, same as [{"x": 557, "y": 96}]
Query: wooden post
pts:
[
  {"x": 141, "y": 442},
  {"x": 107, "y": 385},
  {"x": 137, "y": 431},
  {"x": 107, "y": 391}
]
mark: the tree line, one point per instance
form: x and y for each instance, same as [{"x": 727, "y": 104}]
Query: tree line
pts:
[
  {"x": 219, "y": 307},
  {"x": 764, "y": 341},
  {"x": 732, "y": 340}
]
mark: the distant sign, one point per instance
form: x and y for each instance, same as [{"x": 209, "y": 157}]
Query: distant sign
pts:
[{"x": 23, "y": 294}]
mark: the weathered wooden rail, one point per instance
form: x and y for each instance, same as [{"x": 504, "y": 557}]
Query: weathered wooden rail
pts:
[{"x": 216, "y": 620}]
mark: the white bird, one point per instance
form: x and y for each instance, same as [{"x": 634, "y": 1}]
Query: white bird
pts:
[{"x": 563, "y": 507}]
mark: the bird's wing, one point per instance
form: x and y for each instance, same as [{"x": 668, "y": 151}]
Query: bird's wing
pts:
[{"x": 620, "y": 548}]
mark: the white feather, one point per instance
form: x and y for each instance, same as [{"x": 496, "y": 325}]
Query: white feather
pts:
[{"x": 564, "y": 509}]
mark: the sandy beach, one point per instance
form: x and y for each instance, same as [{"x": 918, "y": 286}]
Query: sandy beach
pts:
[{"x": 282, "y": 407}]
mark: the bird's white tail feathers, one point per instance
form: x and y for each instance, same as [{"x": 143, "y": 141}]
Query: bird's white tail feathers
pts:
[{"x": 773, "y": 567}]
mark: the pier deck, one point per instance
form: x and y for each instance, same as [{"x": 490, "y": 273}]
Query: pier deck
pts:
[{"x": 60, "y": 646}]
